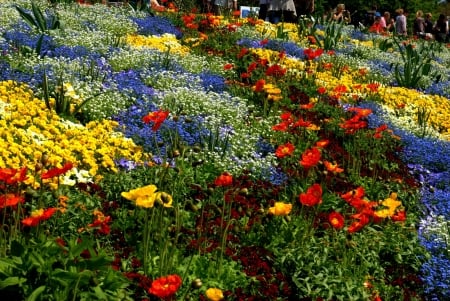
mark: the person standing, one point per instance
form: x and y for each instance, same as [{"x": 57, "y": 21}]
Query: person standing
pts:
[
  {"x": 282, "y": 11},
  {"x": 263, "y": 7},
  {"x": 400, "y": 23},
  {"x": 340, "y": 14},
  {"x": 429, "y": 25},
  {"x": 419, "y": 25},
  {"x": 220, "y": 6},
  {"x": 441, "y": 29}
]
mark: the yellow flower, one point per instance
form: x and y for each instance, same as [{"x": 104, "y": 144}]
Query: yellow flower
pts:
[
  {"x": 280, "y": 209},
  {"x": 391, "y": 203},
  {"x": 164, "y": 199},
  {"x": 143, "y": 197},
  {"x": 214, "y": 294}
]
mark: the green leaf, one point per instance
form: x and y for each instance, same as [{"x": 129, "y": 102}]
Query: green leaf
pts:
[
  {"x": 39, "y": 17},
  {"x": 36, "y": 293},
  {"x": 11, "y": 281}
]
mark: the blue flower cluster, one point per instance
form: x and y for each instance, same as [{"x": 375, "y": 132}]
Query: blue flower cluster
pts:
[
  {"x": 155, "y": 25},
  {"x": 429, "y": 161},
  {"x": 290, "y": 48}
]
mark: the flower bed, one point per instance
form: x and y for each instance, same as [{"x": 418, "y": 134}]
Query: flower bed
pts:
[{"x": 190, "y": 157}]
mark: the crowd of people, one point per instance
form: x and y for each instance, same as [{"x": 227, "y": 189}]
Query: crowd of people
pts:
[{"x": 276, "y": 11}]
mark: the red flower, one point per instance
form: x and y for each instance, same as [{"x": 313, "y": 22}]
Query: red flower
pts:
[
  {"x": 259, "y": 85},
  {"x": 336, "y": 220},
  {"x": 165, "y": 287},
  {"x": 399, "y": 216},
  {"x": 312, "y": 54},
  {"x": 284, "y": 150},
  {"x": 373, "y": 87},
  {"x": 310, "y": 157},
  {"x": 243, "y": 52},
  {"x": 228, "y": 66},
  {"x": 225, "y": 179},
  {"x": 321, "y": 90},
  {"x": 101, "y": 222},
  {"x": 264, "y": 42},
  {"x": 322, "y": 143},
  {"x": 38, "y": 216},
  {"x": 276, "y": 71},
  {"x": 56, "y": 172},
  {"x": 157, "y": 118},
  {"x": 12, "y": 175},
  {"x": 361, "y": 221},
  {"x": 10, "y": 200},
  {"x": 313, "y": 196}
]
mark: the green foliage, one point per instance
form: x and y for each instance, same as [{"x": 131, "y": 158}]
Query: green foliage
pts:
[
  {"x": 42, "y": 269},
  {"x": 39, "y": 22},
  {"x": 416, "y": 62},
  {"x": 332, "y": 36}
]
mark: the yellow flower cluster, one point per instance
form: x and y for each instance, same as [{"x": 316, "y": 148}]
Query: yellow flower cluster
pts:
[
  {"x": 437, "y": 106},
  {"x": 28, "y": 130},
  {"x": 163, "y": 43}
]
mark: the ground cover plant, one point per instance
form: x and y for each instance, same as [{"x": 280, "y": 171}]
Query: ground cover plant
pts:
[{"x": 180, "y": 156}]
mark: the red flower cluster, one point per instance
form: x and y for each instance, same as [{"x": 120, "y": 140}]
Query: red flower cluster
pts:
[
  {"x": 165, "y": 287},
  {"x": 356, "y": 123},
  {"x": 157, "y": 118},
  {"x": 312, "y": 53},
  {"x": 13, "y": 176},
  {"x": 101, "y": 222},
  {"x": 365, "y": 209},
  {"x": 313, "y": 196}
]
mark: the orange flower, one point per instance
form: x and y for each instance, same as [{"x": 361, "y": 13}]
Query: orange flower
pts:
[
  {"x": 165, "y": 287},
  {"x": 336, "y": 220},
  {"x": 284, "y": 150},
  {"x": 225, "y": 179},
  {"x": 313, "y": 196},
  {"x": 38, "y": 216},
  {"x": 280, "y": 209},
  {"x": 332, "y": 167},
  {"x": 310, "y": 157},
  {"x": 322, "y": 143}
]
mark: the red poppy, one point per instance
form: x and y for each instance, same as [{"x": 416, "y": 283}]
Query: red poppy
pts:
[
  {"x": 284, "y": 150},
  {"x": 336, "y": 220},
  {"x": 38, "y": 216},
  {"x": 56, "y": 172},
  {"x": 165, "y": 287},
  {"x": 321, "y": 90},
  {"x": 157, "y": 117},
  {"x": 10, "y": 200},
  {"x": 12, "y": 176},
  {"x": 225, "y": 179},
  {"x": 310, "y": 157},
  {"x": 313, "y": 196}
]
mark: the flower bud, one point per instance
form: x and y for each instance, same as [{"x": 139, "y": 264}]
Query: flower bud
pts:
[{"x": 196, "y": 283}]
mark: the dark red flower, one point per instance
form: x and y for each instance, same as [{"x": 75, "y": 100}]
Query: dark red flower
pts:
[{"x": 165, "y": 287}]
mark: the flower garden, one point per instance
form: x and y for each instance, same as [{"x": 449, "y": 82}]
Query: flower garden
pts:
[{"x": 183, "y": 156}]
